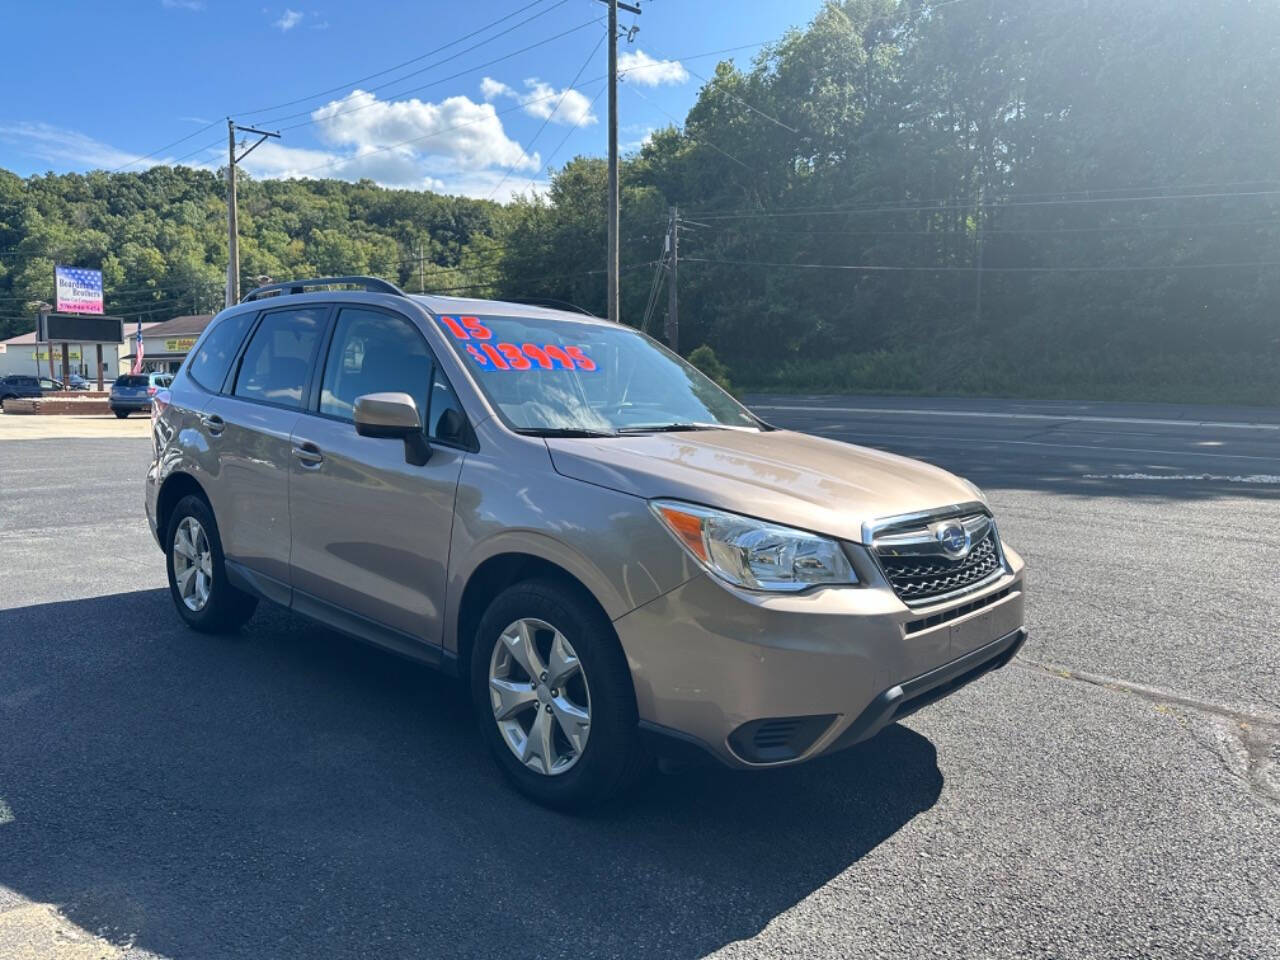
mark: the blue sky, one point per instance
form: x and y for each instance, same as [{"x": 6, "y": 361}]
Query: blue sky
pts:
[{"x": 150, "y": 72}]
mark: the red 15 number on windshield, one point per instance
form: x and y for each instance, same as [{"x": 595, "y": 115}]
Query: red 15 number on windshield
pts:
[{"x": 509, "y": 356}]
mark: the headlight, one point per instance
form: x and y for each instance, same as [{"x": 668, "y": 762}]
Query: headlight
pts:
[{"x": 754, "y": 554}]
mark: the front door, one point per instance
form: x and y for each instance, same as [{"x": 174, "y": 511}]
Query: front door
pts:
[
  {"x": 249, "y": 432},
  {"x": 371, "y": 531}
]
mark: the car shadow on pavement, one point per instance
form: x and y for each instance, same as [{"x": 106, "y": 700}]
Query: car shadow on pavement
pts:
[{"x": 288, "y": 792}]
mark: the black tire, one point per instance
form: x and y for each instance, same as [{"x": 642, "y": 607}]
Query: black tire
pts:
[
  {"x": 121, "y": 413},
  {"x": 227, "y": 608},
  {"x": 614, "y": 757}
]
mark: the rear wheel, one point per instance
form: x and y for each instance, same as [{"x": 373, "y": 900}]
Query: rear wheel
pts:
[
  {"x": 554, "y": 698},
  {"x": 198, "y": 583},
  {"x": 121, "y": 413}
]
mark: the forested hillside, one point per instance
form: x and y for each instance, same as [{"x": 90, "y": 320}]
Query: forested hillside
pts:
[{"x": 1060, "y": 198}]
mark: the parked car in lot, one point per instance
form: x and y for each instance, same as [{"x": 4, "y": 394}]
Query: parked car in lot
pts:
[
  {"x": 17, "y": 386},
  {"x": 132, "y": 392},
  {"x": 618, "y": 558}
]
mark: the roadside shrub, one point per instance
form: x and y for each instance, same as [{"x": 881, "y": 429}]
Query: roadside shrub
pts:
[{"x": 705, "y": 359}]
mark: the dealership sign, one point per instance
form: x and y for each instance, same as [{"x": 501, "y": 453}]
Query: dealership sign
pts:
[
  {"x": 79, "y": 290},
  {"x": 179, "y": 345}
]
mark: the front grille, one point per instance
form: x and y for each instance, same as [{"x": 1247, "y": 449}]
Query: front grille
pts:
[{"x": 919, "y": 572}]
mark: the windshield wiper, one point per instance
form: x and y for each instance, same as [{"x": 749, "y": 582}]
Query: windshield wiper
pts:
[
  {"x": 563, "y": 432},
  {"x": 673, "y": 427}
]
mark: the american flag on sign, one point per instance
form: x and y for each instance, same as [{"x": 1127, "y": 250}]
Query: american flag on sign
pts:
[
  {"x": 137, "y": 358},
  {"x": 79, "y": 289}
]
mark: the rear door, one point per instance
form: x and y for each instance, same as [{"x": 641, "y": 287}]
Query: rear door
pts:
[
  {"x": 249, "y": 428},
  {"x": 370, "y": 531}
]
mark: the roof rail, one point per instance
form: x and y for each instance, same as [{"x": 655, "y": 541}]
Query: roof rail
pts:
[{"x": 371, "y": 284}]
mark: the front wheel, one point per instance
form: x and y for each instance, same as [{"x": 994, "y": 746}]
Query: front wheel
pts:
[
  {"x": 554, "y": 697},
  {"x": 121, "y": 414},
  {"x": 198, "y": 583}
]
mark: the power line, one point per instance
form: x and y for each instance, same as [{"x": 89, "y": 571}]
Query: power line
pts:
[
  {"x": 411, "y": 60},
  {"x": 561, "y": 276},
  {"x": 145, "y": 156},
  {"x": 468, "y": 123},
  {"x": 986, "y": 204},
  {"x": 1017, "y": 231},
  {"x": 886, "y": 268},
  {"x": 733, "y": 96},
  {"x": 434, "y": 83},
  {"x": 524, "y": 151},
  {"x": 684, "y": 131},
  {"x": 565, "y": 139}
]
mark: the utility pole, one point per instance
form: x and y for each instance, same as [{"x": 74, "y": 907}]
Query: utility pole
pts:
[
  {"x": 673, "y": 304},
  {"x": 233, "y": 230},
  {"x": 980, "y": 257},
  {"x": 614, "y": 311},
  {"x": 422, "y": 282}
]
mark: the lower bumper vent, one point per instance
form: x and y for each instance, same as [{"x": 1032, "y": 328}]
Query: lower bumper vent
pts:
[{"x": 775, "y": 739}]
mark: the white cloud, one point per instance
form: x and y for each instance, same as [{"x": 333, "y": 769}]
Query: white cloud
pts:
[
  {"x": 542, "y": 100},
  {"x": 492, "y": 89},
  {"x": 642, "y": 142},
  {"x": 458, "y": 129},
  {"x": 289, "y": 19},
  {"x": 642, "y": 69},
  {"x": 457, "y": 147},
  {"x": 64, "y": 147},
  {"x": 193, "y": 5}
]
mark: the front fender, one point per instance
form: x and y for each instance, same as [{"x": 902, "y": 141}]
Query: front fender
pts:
[{"x": 609, "y": 541}]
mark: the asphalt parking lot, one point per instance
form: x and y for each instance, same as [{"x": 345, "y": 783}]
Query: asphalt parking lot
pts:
[{"x": 288, "y": 793}]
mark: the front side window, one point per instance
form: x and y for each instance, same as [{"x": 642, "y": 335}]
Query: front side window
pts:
[
  {"x": 278, "y": 358},
  {"x": 375, "y": 352},
  {"x": 211, "y": 362},
  {"x": 562, "y": 375}
]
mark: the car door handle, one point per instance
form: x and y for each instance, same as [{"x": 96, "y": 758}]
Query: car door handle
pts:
[
  {"x": 214, "y": 424},
  {"x": 308, "y": 454}
]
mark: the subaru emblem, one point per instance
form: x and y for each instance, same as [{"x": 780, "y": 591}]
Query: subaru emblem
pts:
[{"x": 953, "y": 538}]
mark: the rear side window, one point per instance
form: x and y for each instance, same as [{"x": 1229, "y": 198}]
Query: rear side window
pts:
[
  {"x": 212, "y": 361},
  {"x": 278, "y": 358}
]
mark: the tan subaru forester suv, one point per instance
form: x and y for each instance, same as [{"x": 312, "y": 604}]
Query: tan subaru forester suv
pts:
[{"x": 619, "y": 559}]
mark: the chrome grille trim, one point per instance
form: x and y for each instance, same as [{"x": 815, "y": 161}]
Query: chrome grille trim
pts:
[{"x": 913, "y": 562}]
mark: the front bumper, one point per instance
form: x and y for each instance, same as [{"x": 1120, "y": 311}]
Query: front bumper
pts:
[{"x": 762, "y": 680}]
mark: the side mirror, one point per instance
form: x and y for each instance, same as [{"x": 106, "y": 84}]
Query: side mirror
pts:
[{"x": 393, "y": 416}]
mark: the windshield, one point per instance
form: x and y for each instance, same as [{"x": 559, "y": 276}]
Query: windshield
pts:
[{"x": 565, "y": 376}]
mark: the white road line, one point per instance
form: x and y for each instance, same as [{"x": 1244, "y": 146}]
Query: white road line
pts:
[
  {"x": 1266, "y": 478},
  {"x": 986, "y": 441},
  {"x": 1045, "y": 417}
]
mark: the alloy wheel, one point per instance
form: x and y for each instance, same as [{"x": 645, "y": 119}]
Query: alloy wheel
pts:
[
  {"x": 540, "y": 697},
  {"x": 192, "y": 564}
]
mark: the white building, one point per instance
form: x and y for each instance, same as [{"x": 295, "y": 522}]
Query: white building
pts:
[
  {"x": 21, "y": 354},
  {"x": 164, "y": 345}
]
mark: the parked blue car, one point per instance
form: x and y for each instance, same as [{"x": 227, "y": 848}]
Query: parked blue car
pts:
[{"x": 132, "y": 392}]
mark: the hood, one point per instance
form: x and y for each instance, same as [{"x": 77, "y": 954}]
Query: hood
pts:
[{"x": 820, "y": 485}]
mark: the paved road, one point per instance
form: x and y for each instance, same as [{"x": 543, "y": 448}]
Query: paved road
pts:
[{"x": 290, "y": 794}]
